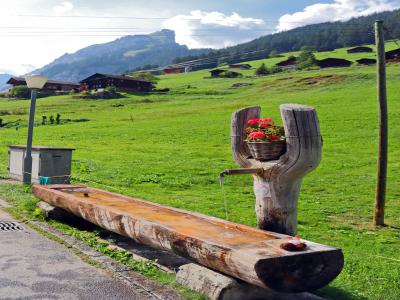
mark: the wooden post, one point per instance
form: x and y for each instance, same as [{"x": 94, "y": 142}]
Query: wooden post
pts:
[
  {"x": 277, "y": 189},
  {"x": 380, "y": 194}
]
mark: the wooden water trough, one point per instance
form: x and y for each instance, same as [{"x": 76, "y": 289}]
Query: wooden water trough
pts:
[{"x": 252, "y": 255}]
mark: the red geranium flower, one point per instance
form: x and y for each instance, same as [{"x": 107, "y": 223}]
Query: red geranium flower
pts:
[
  {"x": 253, "y": 122},
  {"x": 265, "y": 125},
  {"x": 267, "y": 120},
  {"x": 273, "y": 138},
  {"x": 257, "y": 135}
]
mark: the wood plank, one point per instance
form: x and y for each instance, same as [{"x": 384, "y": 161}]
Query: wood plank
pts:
[{"x": 247, "y": 253}]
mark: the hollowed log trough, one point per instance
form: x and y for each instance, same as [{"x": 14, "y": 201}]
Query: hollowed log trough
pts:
[{"x": 252, "y": 255}]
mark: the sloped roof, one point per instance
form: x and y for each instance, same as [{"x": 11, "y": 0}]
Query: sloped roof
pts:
[
  {"x": 22, "y": 79},
  {"x": 123, "y": 77}
]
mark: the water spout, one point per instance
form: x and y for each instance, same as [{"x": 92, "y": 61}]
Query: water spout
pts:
[{"x": 232, "y": 172}]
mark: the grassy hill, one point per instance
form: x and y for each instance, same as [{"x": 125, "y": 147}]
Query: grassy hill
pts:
[{"x": 170, "y": 148}]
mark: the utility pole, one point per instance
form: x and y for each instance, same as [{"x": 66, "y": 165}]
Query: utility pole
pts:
[{"x": 380, "y": 193}]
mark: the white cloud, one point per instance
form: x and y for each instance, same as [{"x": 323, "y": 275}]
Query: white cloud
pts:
[
  {"x": 202, "y": 29},
  {"x": 63, "y": 8},
  {"x": 339, "y": 10}
]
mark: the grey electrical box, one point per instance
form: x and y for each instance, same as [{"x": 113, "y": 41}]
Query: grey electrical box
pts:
[{"x": 50, "y": 162}]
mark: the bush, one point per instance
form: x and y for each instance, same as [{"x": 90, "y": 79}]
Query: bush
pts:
[
  {"x": 20, "y": 91},
  {"x": 230, "y": 74},
  {"x": 262, "y": 70},
  {"x": 306, "y": 58}
]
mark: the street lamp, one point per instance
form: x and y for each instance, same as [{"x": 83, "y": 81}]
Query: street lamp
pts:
[{"x": 35, "y": 83}]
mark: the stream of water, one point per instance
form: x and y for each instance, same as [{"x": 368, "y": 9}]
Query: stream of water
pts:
[{"x": 221, "y": 183}]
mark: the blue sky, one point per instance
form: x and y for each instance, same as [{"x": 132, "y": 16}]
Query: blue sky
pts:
[{"x": 35, "y": 32}]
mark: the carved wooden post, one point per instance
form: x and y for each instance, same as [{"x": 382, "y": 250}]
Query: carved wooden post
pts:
[{"x": 277, "y": 189}]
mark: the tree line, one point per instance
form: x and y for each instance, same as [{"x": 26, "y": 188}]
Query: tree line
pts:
[{"x": 321, "y": 37}]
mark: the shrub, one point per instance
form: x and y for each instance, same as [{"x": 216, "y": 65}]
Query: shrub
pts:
[
  {"x": 230, "y": 74},
  {"x": 20, "y": 91},
  {"x": 306, "y": 58},
  {"x": 262, "y": 70}
]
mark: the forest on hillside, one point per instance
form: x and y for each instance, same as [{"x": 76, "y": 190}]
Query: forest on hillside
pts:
[{"x": 322, "y": 37}]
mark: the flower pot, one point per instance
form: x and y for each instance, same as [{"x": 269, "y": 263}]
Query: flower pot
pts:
[{"x": 264, "y": 151}]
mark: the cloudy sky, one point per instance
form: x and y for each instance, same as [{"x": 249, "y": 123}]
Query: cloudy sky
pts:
[{"x": 35, "y": 32}]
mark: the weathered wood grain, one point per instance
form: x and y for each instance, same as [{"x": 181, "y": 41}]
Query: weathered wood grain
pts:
[
  {"x": 277, "y": 190},
  {"x": 246, "y": 253}
]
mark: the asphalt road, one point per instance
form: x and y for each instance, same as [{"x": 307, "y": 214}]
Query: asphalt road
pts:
[{"x": 34, "y": 267}]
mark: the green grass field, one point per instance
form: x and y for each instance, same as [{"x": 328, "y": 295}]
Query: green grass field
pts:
[{"x": 170, "y": 148}]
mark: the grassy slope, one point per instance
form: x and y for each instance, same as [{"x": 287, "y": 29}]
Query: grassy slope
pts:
[{"x": 171, "y": 148}]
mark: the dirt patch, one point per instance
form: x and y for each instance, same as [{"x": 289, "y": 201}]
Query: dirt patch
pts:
[
  {"x": 320, "y": 80},
  {"x": 293, "y": 83}
]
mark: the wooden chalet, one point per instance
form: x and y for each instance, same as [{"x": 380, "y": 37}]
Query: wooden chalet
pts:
[
  {"x": 240, "y": 66},
  {"x": 174, "y": 70},
  {"x": 289, "y": 63},
  {"x": 360, "y": 49},
  {"x": 366, "y": 61},
  {"x": 120, "y": 82},
  {"x": 393, "y": 56},
  {"x": 333, "y": 63},
  {"x": 50, "y": 86}
]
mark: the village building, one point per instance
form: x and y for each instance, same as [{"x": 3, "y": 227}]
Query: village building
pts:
[
  {"x": 291, "y": 62},
  {"x": 121, "y": 82},
  {"x": 50, "y": 86},
  {"x": 366, "y": 61},
  {"x": 360, "y": 49},
  {"x": 174, "y": 70},
  {"x": 240, "y": 66},
  {"x": 333, "y": 63},
  {"x": 393, "y": 56}
]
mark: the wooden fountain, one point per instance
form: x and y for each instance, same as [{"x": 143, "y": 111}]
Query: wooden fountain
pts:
[{"x": 253, "y": 255}]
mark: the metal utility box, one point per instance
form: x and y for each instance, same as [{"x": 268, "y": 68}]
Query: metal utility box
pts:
[{"x": 50, "y": 162}]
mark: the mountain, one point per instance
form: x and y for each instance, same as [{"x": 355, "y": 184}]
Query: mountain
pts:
[
  {"x": 116, "y": 57},
  {"x": 324, "y": 36},
  {"x": 3, "y": 79}
]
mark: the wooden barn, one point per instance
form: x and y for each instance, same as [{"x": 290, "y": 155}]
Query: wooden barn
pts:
[
  {"x": 366, "y": 61},
  {"x": 289, "y": 63},
  {"x": 240, "y": 66},
  {"x": 120, "y": 82},
  {"x": 174, "y": 70},
  {"x": 360, "y": 49},
  {"x": 50, "y": 86},
  {"x": 393, "y": 56},
  {"x": 333, "y": 63}
]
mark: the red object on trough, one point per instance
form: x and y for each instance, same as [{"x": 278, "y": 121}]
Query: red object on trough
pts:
[{"x": 247, "y": 253}]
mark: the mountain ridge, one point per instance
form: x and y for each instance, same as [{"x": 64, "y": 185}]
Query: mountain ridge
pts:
[{"x": 118, "y": 56}]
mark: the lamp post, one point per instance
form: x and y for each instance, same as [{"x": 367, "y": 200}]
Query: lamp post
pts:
[{"x": 35, "y": 83}]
